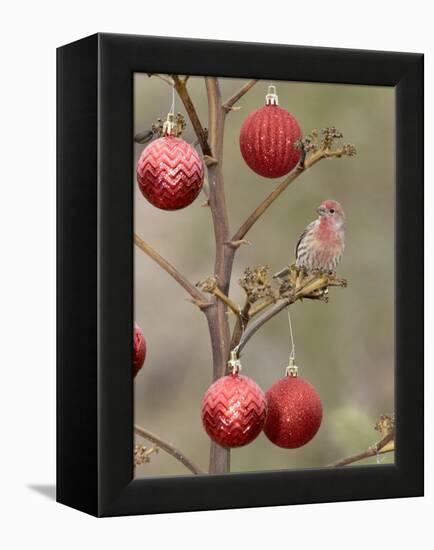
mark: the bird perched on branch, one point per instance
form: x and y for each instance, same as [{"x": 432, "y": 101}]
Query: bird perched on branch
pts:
[{"x": 321, "y": 245}]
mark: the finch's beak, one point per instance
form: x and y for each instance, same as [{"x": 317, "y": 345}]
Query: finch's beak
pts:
[{"x": 321, "y": 210}]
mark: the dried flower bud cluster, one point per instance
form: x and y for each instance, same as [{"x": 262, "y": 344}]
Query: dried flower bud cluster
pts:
[
  {"x": 349, "y": 150},
  {"x": 208, "y": 285},
  {"x": 385, "y": 424},
  {"x": 142, "y": 453},
  {"x": 295, "y": 283},
  {"x": 329, "y": 135},
  {"x": 310, "y": 144},
  {"x": 256, "y": 284}
]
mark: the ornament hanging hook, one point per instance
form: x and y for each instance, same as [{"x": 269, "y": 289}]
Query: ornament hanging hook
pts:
[
  {"x": 271, "y": 98},
  {"x": 234, "y": 363}
]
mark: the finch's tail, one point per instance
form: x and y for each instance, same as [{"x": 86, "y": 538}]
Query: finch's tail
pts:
[{"x": 282, "y": 273}]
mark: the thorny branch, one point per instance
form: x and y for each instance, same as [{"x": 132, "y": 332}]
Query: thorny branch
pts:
[
  {"x": 386, "y": 445},
  {"x": 228, "y": 105},
  {"x": 218, "y": 322},
  {"x": 169, "y": 448},
  {"x": 240, "y": 325},
  {"x": 181, "y": 87},
  {"x": 163, "y": 77},
  {"x": 210, "y": 286},
  {"x": 198, "y": 298}
]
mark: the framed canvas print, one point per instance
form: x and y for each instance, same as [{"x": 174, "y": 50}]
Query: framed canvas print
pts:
[{"x": 240, "y": 275}]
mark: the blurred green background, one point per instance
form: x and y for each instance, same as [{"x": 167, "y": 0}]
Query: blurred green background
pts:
[{"x": 344, "y": 348}]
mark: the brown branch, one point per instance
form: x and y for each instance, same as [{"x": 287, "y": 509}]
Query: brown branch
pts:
[
  {"x": 169, "y": 448},
  {"x": 217, "y": 198},
  {"x": 237, "y": 244},
  {"x": 217, "y": 317},
  {"x": 312, "y": 286},
  {"x": 229, "y": 103},
  {"x": 240, "y": 325},
  {"x": 260, "y": 307},
  {"x": 164, "y": 77},
  {"x": 256, "y": 325},
  {"x": 199, "y": 299},
  {"x": 225, "y": 299},
  {"x": 292, "y": 176},
  {"x": 256, "y": 284},
  {"x": 181, "y": 88},
  {"x": 313, "y": 283},
  {"x": 383, "y": 446},
  {"x": 210, "y": 286},
  {"x": 261, "y": 208}
]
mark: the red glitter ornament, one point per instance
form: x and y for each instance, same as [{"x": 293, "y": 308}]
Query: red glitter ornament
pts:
[
  {"x": 268, "y": 137},
  {"x": 294, "y": 412},
  {"x": 234, "y": 410},
  {"x": 169, "y": 171},
  {"x": 139, "y": 349}
]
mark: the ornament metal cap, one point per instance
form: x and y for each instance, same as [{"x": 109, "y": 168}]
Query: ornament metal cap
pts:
[
  {"x": 291, "y": 369},
  {"x": 271, "y": 98},
  {"x": 170, "y": 126},
  {"x": 234, "y": 363}
]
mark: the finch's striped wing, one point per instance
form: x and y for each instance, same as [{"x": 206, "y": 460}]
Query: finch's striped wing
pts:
[{"x": 306, "y": 232}]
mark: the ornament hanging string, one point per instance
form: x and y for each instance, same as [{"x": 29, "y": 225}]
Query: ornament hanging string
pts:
[
  {"x": 243, "y": 327},
  {"x": 172, "y": 107},
  {"x": 291, "y": 369},
  {"x": 234, "y": 361},
  {"x": 291, "y": 335},
  {"x": 378, "y": 457}
]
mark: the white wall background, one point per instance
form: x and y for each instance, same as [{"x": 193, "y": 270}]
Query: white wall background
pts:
[{"x": 29, "y": 34}]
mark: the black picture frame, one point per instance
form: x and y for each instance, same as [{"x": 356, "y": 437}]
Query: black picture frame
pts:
[{"x": 95, "y": 274}]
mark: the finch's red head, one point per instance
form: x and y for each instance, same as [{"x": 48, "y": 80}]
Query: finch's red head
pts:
[{"x": 331, "y": 209}]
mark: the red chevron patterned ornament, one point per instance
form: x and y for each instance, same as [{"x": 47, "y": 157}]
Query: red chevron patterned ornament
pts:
[
  {"x": 139, "y": 349},
  {"x": 169, "y": 171},
  {"x": 268, "y": 139},
  {"x": 294, "y": 411},
  {"x": 234, "y": 408}
]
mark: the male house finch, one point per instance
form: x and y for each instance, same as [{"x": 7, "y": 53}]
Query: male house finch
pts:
[{"x": 321, "y": 245}]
